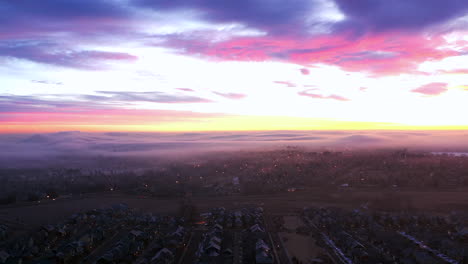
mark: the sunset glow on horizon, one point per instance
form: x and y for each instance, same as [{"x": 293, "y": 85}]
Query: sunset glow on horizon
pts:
[{"x": 247, "y": 65}]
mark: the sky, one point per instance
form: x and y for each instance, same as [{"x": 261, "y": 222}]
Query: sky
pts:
[{"x": 210, "y": 65}]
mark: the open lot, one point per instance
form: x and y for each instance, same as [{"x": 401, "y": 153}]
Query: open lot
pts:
[{"x": 302, "y": 247}]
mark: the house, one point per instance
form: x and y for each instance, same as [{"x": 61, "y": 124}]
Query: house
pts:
[
  {"x": 3, "y": 232},
  {"x": 206, "y": 215},
  {"x": 462, "y": 233},
  {"x": 142, "y": 261},
  {"x": 107, "y": 258},
  {"x": 235, "y": 181},
  {"x": 227, "y": 253},
  {"x": 262, "y": 253},
  {"x": 212, "y": 249},
  {"x": 263, "y": 257},
  {"x": 4, "y": 256},
  {"x": 179, "y": 233},
  {"x": 216, "y": 240},
  {"x": 423, "y": 257},
  {"x": 238, "y": 222},
  {"x": 218, "y": 227},
  {"x": 213, "y": 246},
  {"x": 256, "y": 229},
  {"x": 136, "y": 233},
  {"x": 164, "y": 256}
]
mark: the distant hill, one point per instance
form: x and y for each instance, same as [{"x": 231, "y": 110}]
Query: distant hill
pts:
[
  {"x": 363, "y": 139},
  {"x": 36, "y": 139}
]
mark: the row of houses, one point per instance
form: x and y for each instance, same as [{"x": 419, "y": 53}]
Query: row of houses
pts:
[
  {"x": 4, "y": 233},
  {"x": 236, "y": 236},
  {"x": 209, "y": 249},
  {"x": 263, "y": 252},
  {"x": 372, "y": 237},
  {"x": 144, "y": 246},
  {"x": 237, "y": 219},
  {"x": 76, "y": 238}
]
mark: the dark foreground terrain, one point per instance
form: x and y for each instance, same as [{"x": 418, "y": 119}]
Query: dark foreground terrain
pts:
[
  {"x": 288, "y": 206},
  {"x": 241, "y": 233}
]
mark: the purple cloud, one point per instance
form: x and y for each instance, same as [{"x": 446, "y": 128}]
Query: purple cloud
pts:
[
  {"x": 25, "y": 18},
  {"x": 290, "y": 18},
  {"x": 54, "y": 9},
  {"x": 85, "y": 102},
  {"x": 30, "y": 30},
  {"x": 53, "y": 54},
  {"x": 435, "y": 88},
  {"x": 320, "y": 96},
  {"x": 46, "y": 82},
  {"x": 234, "y": 96},
  {"x": 275, "y": 17},
  {"x": 154, "y": 97},
  {"x": 31, "y": 103},
  {"x": 406, "y": 15}
]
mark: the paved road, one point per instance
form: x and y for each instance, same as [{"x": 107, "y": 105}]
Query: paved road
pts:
[
  {"x": 237, "y": 248},
  {"x": 105, "y": 246},
  {"x": 188, "y": 256},
  {"x": 280, "y": 254}
]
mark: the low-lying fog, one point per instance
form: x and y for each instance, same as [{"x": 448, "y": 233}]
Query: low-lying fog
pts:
[{"x": 44, "y": 149}]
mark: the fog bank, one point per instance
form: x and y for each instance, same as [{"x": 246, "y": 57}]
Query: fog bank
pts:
[{"x": 45, "y": 149}]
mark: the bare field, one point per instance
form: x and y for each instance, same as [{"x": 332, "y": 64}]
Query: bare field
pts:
[
  {"x": 284, "y": 203},
  {"x": 300, "y": 246},
  {"x": 36, "y": 214}
]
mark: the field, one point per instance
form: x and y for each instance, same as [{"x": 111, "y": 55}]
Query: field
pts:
[
  {"x": 301, "y": 246},
  {"x": 31, "y": 215}
]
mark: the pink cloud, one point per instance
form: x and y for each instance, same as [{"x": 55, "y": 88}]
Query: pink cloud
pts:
[
  {"x": 305, "y": 71},
  {"x": 431, "y": 88},
  {"x": 185, "y": 89},
  {"x": 381, "y": 54},
  {"x": 287, "y": 83},
  {"x": 455, "y": 71},
  {"x": 104, "y": 116},
  {"x": 320, "y": 96},
  {"x": 234, "y": 96}
]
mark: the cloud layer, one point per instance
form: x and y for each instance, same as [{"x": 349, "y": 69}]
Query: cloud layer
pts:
[{"x": 383, "y": 37}]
